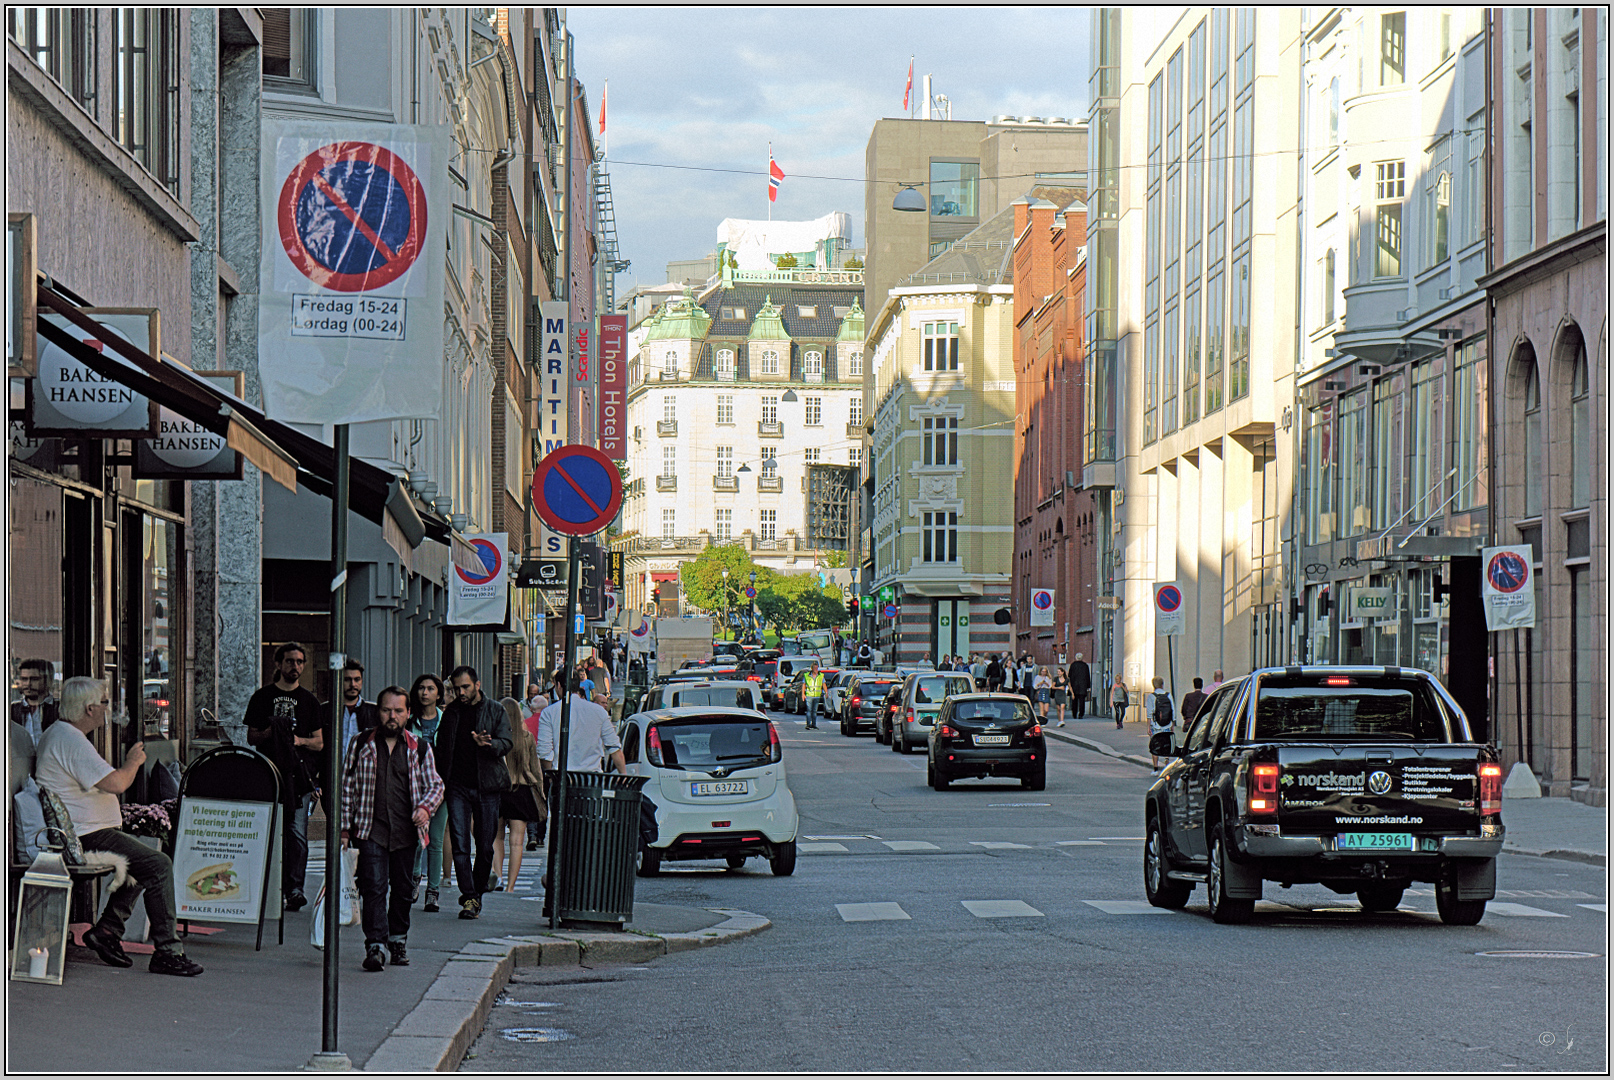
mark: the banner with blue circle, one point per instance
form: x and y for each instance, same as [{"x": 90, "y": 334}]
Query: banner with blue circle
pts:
[{"x": 479, "y": 587}]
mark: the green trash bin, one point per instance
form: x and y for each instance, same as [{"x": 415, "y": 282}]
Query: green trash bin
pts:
[{"x": 599, "y": 843}]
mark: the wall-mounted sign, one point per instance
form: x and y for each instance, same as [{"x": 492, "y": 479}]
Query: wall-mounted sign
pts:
[
  {"x": 479, "y": 587},
  {"x": 1508, "y": 588},
  {"x": 67, "y": 398},
  {"x": 1042, "y": 607},
  {"x": 613, "y": 385},
  {"x": 1168, "y": 609},
  {"x": 183, "y": 449},
  {"x": 1370, "y": 604}
]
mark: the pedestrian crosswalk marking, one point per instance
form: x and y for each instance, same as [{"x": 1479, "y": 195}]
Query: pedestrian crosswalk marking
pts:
[
  {"x": 1523, "y": 910},
  {"x": 880, "y": 912},
  {"x": 1079, "y": 843},
  {"x": 810, "y": 848},
  {"x": 1126, "y": 907},
  {"x": 1000, "y": 909},
  {"x": 911, "y": 845},
  {"x": 1595, "y": 907},
  {"x": 996, "y": 844}
]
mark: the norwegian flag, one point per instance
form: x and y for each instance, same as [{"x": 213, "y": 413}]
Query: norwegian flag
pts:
[
  {"x": 907, "y": 91},
  {"x": 775, "y": 174}
]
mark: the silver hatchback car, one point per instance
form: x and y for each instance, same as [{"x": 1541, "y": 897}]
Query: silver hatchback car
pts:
[{"x": 922, "y": 697}]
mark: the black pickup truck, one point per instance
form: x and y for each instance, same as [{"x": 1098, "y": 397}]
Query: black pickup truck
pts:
[{"x": 1363, "y": 779}]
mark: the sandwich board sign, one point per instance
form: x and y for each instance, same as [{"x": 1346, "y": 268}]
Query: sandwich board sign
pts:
[{"x": 221, "y": 859}]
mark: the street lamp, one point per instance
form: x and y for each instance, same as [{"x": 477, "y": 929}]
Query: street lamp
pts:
[
  {"x": 754, "y": 635},
  {"x": 909, "y": 201}
]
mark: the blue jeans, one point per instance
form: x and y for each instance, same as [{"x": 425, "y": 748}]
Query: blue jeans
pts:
[
  {"x": 383, "y": 873},
  {"x": 294, "y": 859},
  {"x": 429, "y": 860},
  {"x": 813, "y": 705},
  {"x": 470, "y": 809}
]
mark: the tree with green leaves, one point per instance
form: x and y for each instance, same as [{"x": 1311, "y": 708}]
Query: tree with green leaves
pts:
[{"x": 703, "y": 582}]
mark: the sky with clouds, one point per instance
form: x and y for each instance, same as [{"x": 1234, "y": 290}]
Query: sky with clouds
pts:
[{"x": 711, "y": 87}]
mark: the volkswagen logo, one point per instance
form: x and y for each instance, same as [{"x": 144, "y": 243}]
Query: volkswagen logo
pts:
[{"x": 1378, "y": 782}]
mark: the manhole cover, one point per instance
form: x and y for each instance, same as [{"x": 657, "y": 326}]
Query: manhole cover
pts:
[
  {"x": 534, "y": 1035},
  {"x": 1538, "y": 954}
]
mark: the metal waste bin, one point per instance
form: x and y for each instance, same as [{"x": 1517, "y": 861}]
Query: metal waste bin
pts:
[{"x": 599, "y": 842}]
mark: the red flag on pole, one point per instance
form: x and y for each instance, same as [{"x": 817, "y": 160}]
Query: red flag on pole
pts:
[
  {"x": 907, "y": 91},
  {"x": 775, "y": 174}
]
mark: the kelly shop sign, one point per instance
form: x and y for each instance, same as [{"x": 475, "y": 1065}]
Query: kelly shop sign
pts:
[{"x": 350, "y": 324}]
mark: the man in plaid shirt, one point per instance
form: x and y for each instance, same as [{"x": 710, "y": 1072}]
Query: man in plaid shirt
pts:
[{"x": 389, "y": 793}]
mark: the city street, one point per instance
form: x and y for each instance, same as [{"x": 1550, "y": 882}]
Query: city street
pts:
[{"x": 991, "y": 928}]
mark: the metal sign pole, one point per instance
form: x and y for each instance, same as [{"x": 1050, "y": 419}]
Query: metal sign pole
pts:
[
  {"x": 558, "y": 812},
  {"x": 330, "y": 1058}
]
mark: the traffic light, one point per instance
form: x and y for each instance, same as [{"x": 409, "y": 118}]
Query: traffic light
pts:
[
  {"x": 852, "y": 607},
  {"x": 655, "y": 594}
]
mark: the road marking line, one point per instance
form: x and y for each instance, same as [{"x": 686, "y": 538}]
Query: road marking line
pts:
[
  {"x": 911, "y": 845},
  {"x": 1523, "y": 910},
  {"x": 1117, "y": 838},
  {"x": 883, "y": 912},
  {"x": 1000, "y": 909},
  {"x": 1126, "y": 907},
  {"x": 820, "y": 848},
  {"x": 1595, "y": 907},
  {"x": 997, "y": 844},
  {"x": 1079, "y": 843}
]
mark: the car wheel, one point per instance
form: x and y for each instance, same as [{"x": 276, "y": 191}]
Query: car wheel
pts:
[
  {"x": 1160, "y": 890},
  {"x": 1455, "y": 912},
  {"x": 899, "y": 744},
  {"x": 736, "y": 861},
  {"x": 1037, "y": 781},
  {"x": 846, "y": 732},
  {"x": 783, "y": 859},
  {"x": 938, "y": 779},
  {"x": 1381, "y": 895},
  {"x": 1224, "y": 908},
  {"x": 649, "y": 862}
]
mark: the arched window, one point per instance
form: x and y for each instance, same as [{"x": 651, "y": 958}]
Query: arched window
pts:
[
  {"x": 1532, "y": 431},
  {"x": 770, "y": 362},
  {"x": 812, "y": 366},
  {"x": 1580, "y": 430},
  {"x": 725, "y": 365},
  {"x": 670, "y": 365}
]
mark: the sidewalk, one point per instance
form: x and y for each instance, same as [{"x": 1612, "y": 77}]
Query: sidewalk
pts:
[
  {"x": 261, "y": 1011},
  {"x": 1550, "y": 828}
]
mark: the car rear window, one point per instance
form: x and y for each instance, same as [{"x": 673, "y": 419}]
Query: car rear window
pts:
[
  {"x": 1348, "y": 708},
  {"x": 992, "y": 710},
  {"x": 934, "y": 689},
  {"x": 869, "y": 687},
  {"x": 712, "y": 740},
  {"x": 727, "y": 696}
]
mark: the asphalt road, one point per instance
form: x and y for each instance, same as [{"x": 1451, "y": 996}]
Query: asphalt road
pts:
[{"x": 992, "y": 928}]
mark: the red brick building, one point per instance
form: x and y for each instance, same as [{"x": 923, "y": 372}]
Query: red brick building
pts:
[{"x": 1054, "y": 520}]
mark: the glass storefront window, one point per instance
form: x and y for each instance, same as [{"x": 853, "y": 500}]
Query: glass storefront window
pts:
[
  {"x": 34, "y": 606},
  {"x": 158, "y": 627}
]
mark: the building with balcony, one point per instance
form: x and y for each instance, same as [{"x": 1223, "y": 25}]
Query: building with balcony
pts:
[
  {"x": 733, "y": 394},
  {"x": 1192, "y": 219}
]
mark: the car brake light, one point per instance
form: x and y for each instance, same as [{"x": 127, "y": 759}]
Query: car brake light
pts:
[
  {"x": 720, "y": 824},
  {"x": 946, "y": 732},
  {"x": 910, "y": 716},
  {"x": 856, "y": 701},
  {"x": 1490, "y": 789},
  {"x": 775, "y": 751},
  {"x": 753, "y": 678},
  {"x": 1339, "y": 680},
  {"x": 1264, "y": 789},
  {"x": 1034, "y": 729},
  {"x": 652, "y": 747}
]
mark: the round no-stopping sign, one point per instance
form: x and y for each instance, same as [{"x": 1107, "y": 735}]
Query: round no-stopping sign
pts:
[
  {"x": 492, "y": 564},
  {"x": 576, "y": 490},
  {"x": 352, "y": 216},
  {"x": 1168, "y": 598},
  {"x": 891, "y": 611},
  {"x": 1508, "y": 573},
  {"x": 1042, "y": 599}
]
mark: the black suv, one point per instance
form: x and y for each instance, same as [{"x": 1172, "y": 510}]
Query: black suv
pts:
[
  {"x": 985, "y": 735},
  {"x": 863, "y": 699}
]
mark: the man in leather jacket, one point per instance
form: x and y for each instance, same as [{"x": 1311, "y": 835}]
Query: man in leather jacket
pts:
[{"x": 471, "y": 743}]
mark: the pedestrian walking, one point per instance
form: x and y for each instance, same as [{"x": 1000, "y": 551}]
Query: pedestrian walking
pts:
[
  {"x": 591, "y": 737},
  {"x": 357, "y": 714},
  {"x": 1081, "y": 684},
  {"x": 69, "y": 767},
  {"x": 813, "y": 690},
  {"x": 1061, "y": 691},
  {"x": 425, "y": 719},
  {"x": 1160, "y": 715},
  {"x": 390, "y": 790},
  {"x": 523, "y": 803},
  {"x": 1028, "y": 677},
  {"x": 1191, "y": 703},
  {"x": 1043, "y": 684},
  {"x": 285, "y": 722},
  {"x": 1119, "y": 699},
  {"x": 1216, "y": 680},
  {"x": 472, "y": 742}
]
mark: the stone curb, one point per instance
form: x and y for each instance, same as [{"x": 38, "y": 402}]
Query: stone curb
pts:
[
  {"x": 1595, "y": 858},
  {"x": 1102, "y": 748},
  {"x": 437, "y": 1032}
]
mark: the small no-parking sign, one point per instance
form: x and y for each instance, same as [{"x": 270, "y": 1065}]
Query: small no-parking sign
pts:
[{"x": 1168, "y": 609}]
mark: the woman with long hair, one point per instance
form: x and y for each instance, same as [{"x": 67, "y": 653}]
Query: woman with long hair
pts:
[
  {"x": 425, "y": 713},
  {"x": 1044, "y": 686},
  {"x": 524, "y": 801}
]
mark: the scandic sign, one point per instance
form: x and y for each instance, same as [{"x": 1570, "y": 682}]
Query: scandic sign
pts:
[{"x": 613, "y": 385}]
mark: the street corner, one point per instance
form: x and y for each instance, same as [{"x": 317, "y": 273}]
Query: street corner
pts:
[{"x": 737, "y": 924}]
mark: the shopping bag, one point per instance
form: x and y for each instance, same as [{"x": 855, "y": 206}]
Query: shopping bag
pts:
[
  {"x": 348, "y": 913},
  {"x": 316, "y": 936}
]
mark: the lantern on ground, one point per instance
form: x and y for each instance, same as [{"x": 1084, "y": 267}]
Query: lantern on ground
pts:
[{"x": 39, "y": 949}]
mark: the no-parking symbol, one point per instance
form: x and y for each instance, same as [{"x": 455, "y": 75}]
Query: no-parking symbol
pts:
[
  {"x": 352, "y": 217},
  {"x": 1509, "y": 587}
]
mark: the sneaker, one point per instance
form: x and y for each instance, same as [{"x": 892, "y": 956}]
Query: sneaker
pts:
[
  {"x": 471, "y": 908},
  {"x": 373, "y": 959},
  {"x": 1061, "y": 723},
  {"x": 398, "y": 953},
  {"x": 295, "y": 900},
  {"x": 107, "y": 948},
  {"x": 431, "y": 901},
  {"x": 172, "y": 964}
]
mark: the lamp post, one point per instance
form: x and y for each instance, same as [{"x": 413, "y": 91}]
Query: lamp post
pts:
[{"x": 857, "y": 626}]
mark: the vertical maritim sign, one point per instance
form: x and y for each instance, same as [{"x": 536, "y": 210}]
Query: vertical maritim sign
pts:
[{"x": 552, "y": 430}]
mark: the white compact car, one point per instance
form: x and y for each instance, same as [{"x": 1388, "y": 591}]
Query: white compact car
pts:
[
  {"x": 717, "y": 779},
  {"x": 737, "y": 694}
]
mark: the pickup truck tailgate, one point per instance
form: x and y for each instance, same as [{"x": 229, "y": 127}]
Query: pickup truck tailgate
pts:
[{"x": 1333, "y": 788}]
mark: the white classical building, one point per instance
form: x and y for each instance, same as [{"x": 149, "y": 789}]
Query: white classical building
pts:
[{"x": 733, "y": 394}]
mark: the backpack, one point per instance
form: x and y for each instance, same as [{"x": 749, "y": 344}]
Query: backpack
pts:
[{"x": 1162, "y": 707}]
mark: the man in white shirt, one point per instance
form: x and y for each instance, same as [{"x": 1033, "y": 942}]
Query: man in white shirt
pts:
[
  {"x": 590, "y": 737},
  {"x": 69, "y": 766}
]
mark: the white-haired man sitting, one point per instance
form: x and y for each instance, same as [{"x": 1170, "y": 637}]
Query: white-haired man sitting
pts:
[{"x": 69, "y": 766}]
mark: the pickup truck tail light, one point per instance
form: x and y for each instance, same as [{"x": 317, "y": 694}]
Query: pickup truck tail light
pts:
[
  {"x": 775, "y": 751},
  {"x": 1264, "y": 788},
  {"x": 1490, "y": 789},
  {"x": 652, "y": 747}
]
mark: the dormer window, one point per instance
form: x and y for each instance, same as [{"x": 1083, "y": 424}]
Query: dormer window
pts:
[
  {"x": 770, "y": 362},
  {"x": 669, "y": 368},
  {"x": 812, "y": 366},
  {"x": 807, "y": 311}
]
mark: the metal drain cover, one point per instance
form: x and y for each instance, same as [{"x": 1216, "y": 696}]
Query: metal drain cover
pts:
[
  {"x": 1538, "y": 954},
  {"x": 534, "y": 1035}
]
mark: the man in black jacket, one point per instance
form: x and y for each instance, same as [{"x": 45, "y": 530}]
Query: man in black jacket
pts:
[
  {"x": 471, "y": 743},
  {"x": 37, "y": 709},
  {"x": 285, "y": 723},
  {"x": 1081, "y": 684}
]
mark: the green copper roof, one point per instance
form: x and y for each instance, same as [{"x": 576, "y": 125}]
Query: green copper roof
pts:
[
  {"x": 680, "y": 319},
  {"x": 768, "y": 325},
  {"x": 852, "y": 325}
]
